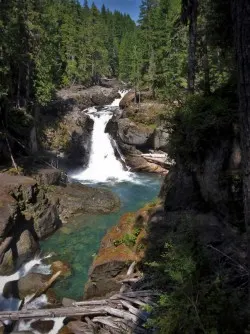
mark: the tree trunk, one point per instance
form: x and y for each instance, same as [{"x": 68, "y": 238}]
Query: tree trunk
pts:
[
  {"x": 241, "y": 22},
  {"x": 192, "y": 45},
  {"x": 206, "y": 69}
]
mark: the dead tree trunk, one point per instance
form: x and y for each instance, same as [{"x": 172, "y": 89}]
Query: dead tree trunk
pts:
[
  {"x": 192, "y": 44},
  {"x": 241, "y": 22}
]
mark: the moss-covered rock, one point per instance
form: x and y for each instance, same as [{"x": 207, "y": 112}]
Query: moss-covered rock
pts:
[{"x": 122, "y": 245}]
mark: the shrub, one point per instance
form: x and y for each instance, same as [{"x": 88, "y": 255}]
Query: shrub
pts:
[{"x": 199, "y": 124}]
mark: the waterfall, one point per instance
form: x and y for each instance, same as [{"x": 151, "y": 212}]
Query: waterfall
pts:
[
  {"x": 34, "y": 265},
  {"x": 103, "y": 165},
  {"x": 117, "y": 101}
]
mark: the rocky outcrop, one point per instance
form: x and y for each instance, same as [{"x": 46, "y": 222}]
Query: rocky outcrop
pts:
[
  {"x": 132, "y": 134},
  {"x": 26, "y": 215},
  {"x": 68, "y": 137},
  {"x": 126, "y": 101},
  {"x": 65, "y": 127},
  {"x": 122, "y": 245},
  {"x": 134, "y": 139},
  {"x": 138, "y": 129},
  {"x": 78, "y": 198},
  {"x": 48, "y": 176},
  {"x": 210, "y": 185}
]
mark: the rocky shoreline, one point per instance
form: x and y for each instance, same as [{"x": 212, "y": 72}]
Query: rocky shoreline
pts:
[
  {"x": 34, "y": 205},
  {"x": 137, "y": 128},
  {"x": 31, "y": 211}
]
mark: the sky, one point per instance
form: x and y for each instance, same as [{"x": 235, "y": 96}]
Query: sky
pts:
[{"x": 125, "y": 6}]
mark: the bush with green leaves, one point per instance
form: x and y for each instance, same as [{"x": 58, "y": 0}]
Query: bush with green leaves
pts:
[
  {"x": 196, "y": 298},
  {"x": 200, "y": 123}
]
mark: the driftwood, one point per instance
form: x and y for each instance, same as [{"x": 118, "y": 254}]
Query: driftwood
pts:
[
  {"x": 134, "y": 310},
  {"x": 91, "y": 302},
  {"x": 50, "y": 313},
  {"x": 131, "y": 280},
  {"x": 117, "y": 314},
  {"x": 143, "y": 293},
  {"x": 131, "y": 300},
  {"x": 109, "y": 321},
  {"x": 131, "y": 269},
  {"x": 11, "y": 155}
]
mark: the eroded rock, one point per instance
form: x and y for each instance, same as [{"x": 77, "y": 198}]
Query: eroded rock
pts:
[
  {"x": 78, "y": 198},
  {"x": 22, "y": 249},
  {"x": 27, "y": 215}
]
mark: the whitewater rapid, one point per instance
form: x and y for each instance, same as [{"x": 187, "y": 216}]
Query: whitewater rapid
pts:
[{"x": 103, "y": 165}]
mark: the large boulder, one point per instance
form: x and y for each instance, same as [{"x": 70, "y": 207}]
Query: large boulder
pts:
[
  {"x": 80, "y": 129},
  {"x": 30, "y": 284},
  {"x": 48, "y": 176},
  {"x": 129, "y": 98},
  {"x": 46, "y": 220},
  {"x": 129, "y": 135},
  {"x": 9, "y": 213},
  {"x": 134, "y": 134},
  {"x": 78, "y": 198}
]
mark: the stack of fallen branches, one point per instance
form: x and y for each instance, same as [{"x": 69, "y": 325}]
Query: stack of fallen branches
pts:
[{"x": 123, "y": 312}]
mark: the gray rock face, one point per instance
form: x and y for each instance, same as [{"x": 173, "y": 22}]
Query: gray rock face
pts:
[
  {"x": 133, "y": 139},
  {"x": 48, "y": 176},
  {"x": 30, "y": 284},
  {"x": 160, "y": 139},
  {"x": 213, "y": 187},
  {"x": 26, "y": 215},
  {"x": 102, "y": 279},
  {"x": 47, "y": 221},
  {"x": 80, "y": 129},
  {"x": 129, "y": 98},
  {"x": 132, "y": 134},
  {"x": 180, "y": 190},
  {"x": 77, "y": 198},
  {"x": 208, "y": 185},
  {"x": 22, "y": 249}
]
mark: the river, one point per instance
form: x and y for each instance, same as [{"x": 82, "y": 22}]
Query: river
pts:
[{"x": 78, "y": 241}]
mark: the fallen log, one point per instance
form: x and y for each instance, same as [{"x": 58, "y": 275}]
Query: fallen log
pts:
[
  {"x": 51, "y": 313},
  {"x": 108, "y": 321},
  {"x": 130, "y": 280},
  {"x": 131, "y": 300},
  {"x": 133, "y": 310},
  {"x": 121, "y": 314},
  {"x": 142, "y": 293},
  {"x": 131, "y": 269},
  {"x": 91, "y": 302},
  {"x": 90, "y": 323}
]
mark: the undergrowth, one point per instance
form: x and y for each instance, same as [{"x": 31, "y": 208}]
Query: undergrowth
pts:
[{"x": 201, "y": 123}]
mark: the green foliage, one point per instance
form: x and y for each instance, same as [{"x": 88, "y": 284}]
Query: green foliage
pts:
[
  {"x": 195, "y": 295},
  {"x": 48, "y": 44},
  {"x": 201, "y": 122},
  {"x": 129, "y": 239}
]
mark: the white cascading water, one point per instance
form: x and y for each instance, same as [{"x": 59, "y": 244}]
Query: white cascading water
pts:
[{"x": 103, "y": 165}]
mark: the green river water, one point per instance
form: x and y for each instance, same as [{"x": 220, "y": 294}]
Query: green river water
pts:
[{"x": 78, "y": 241}]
